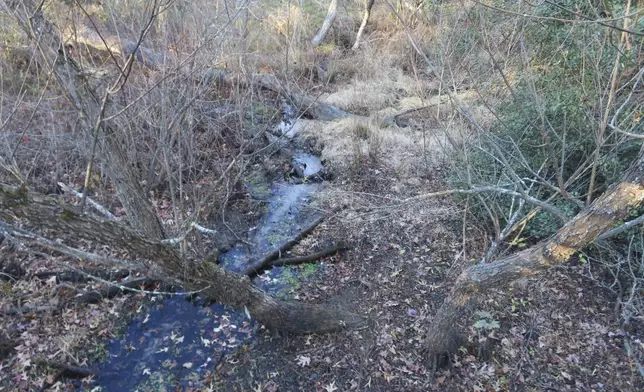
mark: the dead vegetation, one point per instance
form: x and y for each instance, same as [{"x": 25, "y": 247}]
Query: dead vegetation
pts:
[{"x": 194, "y": 108}]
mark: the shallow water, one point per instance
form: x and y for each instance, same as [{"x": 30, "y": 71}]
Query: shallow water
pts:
[{"x": 175, "y": 342}]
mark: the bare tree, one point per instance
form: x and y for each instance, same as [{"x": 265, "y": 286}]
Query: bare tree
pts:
[
  {"x": 326, "y": 25},
  {"x": 363, "y": 25}
]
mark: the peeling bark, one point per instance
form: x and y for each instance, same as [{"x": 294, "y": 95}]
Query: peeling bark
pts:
[{"x": 599, "y": 217}]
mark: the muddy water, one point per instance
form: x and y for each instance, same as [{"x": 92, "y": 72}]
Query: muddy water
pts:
[{"x": 173, "y": 344}]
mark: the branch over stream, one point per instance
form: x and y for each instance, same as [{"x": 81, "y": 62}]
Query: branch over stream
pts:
[{"x": 215, "y": 283}]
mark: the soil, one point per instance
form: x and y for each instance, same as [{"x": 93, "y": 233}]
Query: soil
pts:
[{"x": 556, "y": 332}]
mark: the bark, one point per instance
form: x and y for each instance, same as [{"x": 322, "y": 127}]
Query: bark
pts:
[
  {"x": 599, "y": 217},
  {"x": 363, "y": 25},
  {"x": 326, "y": 25},
  {"x": 213, "y": 282}
]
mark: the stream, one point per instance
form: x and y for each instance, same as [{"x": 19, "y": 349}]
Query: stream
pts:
[{"x": 174, "y": 343}]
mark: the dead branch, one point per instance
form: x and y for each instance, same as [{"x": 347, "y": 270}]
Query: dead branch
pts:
[
  {"x": 78, "y": 277},
  {"x": 13, "y": 310},
  {"x": 61, "y": 248},
  {"x": 311, "y": 258},
  {"x": 114, "y": 289},
  {"x": 104, "y": 211},
  {"x": 259, "y": 265}
]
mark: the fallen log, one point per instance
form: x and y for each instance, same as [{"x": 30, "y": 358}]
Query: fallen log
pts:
[
  {"x": 258, "y": 266},
  {"x": 311, "y": 258}
]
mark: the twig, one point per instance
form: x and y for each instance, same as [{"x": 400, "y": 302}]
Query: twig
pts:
[
  {"x": 479, "y": 189},
  {"x": 619, "y": 229},
  {"x": 93, "y": 203}
]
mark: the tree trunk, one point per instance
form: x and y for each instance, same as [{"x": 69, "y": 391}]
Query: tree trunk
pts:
[
  {"x": 212, "y": 281},
  {"x": 326, "y": 25},
  {"x": 363, "y": 25},
  {"x": 599, "y": 217}
]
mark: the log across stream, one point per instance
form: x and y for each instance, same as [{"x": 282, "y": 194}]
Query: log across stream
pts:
[{"x": 175, "y": 342}]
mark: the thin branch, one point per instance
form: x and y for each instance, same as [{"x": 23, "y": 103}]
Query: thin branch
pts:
[
  {"x": 479, "y": 189},
  {"x": 622, "y": 228},
  {"x": 64, "y": 249},
  {"x": 104, "y": 211}
]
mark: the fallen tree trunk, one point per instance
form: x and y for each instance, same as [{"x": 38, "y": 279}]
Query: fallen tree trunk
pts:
[
  {"x": 599, "y": 217},
  {"x": 213, "y": 282}
]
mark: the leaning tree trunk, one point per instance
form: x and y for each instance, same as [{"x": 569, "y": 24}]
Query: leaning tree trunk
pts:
[
  {"x": 363, "y": 25},
  {"x": 326, "y": 25},
  {"x": 599, "y": 217},
  {"x": 211, "y": 280}
]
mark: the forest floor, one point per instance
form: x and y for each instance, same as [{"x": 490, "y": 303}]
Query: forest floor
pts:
[{"x": 555, "y": 332}]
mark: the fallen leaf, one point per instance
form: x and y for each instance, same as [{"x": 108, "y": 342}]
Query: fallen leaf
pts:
[{"x": 303, "y": 360}]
